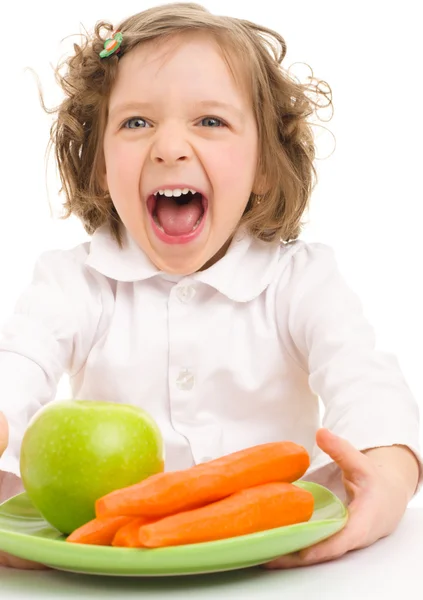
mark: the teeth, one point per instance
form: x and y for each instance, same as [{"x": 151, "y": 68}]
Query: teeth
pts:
[{"x": 176, "y": 193}]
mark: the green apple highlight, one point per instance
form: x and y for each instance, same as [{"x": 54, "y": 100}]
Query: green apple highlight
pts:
[{"x": 76, "y": 451}]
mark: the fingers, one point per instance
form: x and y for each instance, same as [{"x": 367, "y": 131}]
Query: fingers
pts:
[
  {"x": 4, "y": 433},
  {"x": 354, "y": 464},
  {"x": 7, "y": 560},
  {"x": 330, "y": 549},
  {"x": 353, "y": 536}
]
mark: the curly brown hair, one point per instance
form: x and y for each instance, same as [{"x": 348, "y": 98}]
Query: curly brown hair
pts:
[{"x": 281, "y": 106}]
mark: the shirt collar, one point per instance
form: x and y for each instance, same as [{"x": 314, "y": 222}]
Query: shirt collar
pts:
[{"x": 245, "y": 271}]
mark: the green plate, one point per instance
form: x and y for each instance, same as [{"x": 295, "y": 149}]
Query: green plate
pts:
[{"x": 24, "y": 533}]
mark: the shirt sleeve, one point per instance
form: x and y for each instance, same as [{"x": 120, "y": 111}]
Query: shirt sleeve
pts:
[
  {"x": 49, "y": 334},
  {"x": 365, "y": 396}
]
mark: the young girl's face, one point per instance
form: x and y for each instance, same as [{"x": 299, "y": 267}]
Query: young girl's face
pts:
[{"x": 178, "y": 121}]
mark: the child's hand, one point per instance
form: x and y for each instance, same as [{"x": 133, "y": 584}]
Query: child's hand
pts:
[
  {"x": 7, "y": 560},
  {"x": 379, "y": 483},
  {"x": 4, "y": 433}
]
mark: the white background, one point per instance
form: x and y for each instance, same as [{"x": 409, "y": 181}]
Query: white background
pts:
[{"x": 368, "y": 202}]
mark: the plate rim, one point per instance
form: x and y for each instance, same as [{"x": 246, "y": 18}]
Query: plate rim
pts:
[{"x": 97, "y": 552}]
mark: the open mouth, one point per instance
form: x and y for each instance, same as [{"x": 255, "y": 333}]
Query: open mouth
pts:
[{"x": 177, "y": 215}]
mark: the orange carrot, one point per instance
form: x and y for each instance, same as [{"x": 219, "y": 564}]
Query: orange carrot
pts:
[
  {"x": 127, "y": 535},
  {"x": 251, "y": 510},
  {"x": 167, "y": 493},
  {"x": 100, "y": 531}
]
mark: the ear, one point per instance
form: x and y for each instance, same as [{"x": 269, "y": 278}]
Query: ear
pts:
[
  {"x": 102, "y": 174},
  {"x": 102, "y": 180},
  {"x": 261, "y": 185}
]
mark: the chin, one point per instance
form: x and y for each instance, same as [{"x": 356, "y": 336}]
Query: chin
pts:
[
  {"x": 179, "y": 260},
  {"x": 183, "y": 267},
  {"x": 173, "y": 269}
]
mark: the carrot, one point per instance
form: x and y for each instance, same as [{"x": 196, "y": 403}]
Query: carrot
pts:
[
  {"x": 251, "y": 510},
  {"x": 127, "y": 535},
  {"x": 100, "y": 531},
  {"x": 167, "y": 493}
]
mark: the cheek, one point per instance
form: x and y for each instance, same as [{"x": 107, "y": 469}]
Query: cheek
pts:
[
  {"x": 123, "y": 165},
  {"x": 235, "y": 166}
]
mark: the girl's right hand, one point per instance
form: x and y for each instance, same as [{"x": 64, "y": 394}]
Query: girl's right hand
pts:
[
  {"x": 4, "y": 433},
  {"x": 7, "y": 560}
]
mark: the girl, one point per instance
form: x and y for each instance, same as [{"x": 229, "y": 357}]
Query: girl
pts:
[{"x": 185, "y": 150}]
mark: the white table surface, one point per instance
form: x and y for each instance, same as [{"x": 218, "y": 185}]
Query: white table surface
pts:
[{"x": 387, "y": 570}]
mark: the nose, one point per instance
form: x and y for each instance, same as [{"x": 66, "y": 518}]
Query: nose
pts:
[{"x": 170, "y": 145}]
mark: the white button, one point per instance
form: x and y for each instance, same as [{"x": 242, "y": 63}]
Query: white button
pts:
[
  {"x": 185, "y": 293},
  {"x": 185, "y": 380}
]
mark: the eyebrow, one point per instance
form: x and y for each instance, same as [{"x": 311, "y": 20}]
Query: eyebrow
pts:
[
  {"x": 203, "y": 104},
  {"x": 210, "y": 104}
]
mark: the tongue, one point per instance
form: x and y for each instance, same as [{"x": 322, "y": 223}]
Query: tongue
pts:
[{"x": 178, "y": 219}]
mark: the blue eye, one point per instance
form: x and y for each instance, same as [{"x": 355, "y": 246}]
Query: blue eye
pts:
[
  {"x": 212, "y": 122},
  {"x": 136, "y": 123}
]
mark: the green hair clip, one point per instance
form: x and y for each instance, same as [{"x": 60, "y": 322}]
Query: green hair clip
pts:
[{"x": 112, "y": 45}]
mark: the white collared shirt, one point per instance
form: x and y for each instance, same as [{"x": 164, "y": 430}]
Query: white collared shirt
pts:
[{"x": 226, "y": 358}]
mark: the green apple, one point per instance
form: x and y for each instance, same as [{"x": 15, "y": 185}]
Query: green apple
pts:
[{"x": 76, "y": 451}]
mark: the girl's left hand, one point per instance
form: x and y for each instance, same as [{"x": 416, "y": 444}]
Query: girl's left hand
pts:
[{"x": 378, "y": 498}]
